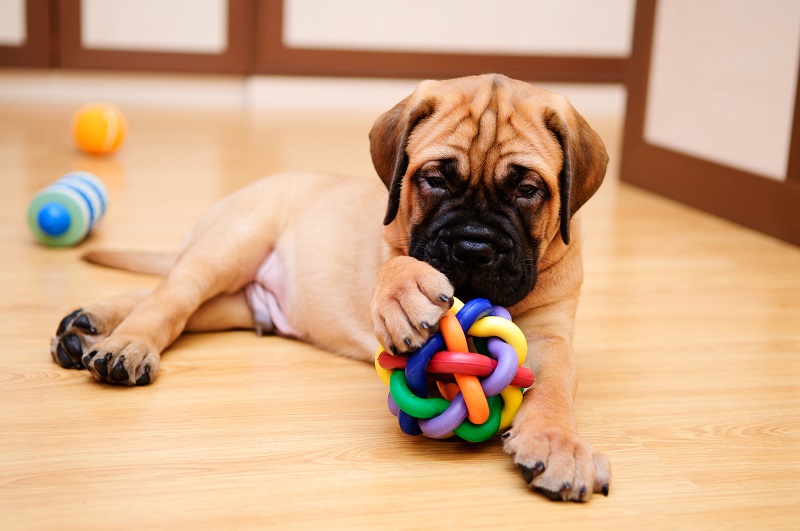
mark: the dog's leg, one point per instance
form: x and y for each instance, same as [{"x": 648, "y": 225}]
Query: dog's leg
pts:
[
  {"x": 79, "y": 331},
  {"x": 544, "y": 440},
  {"x": 209, "y": 267},
  {"x": 228, "y": 311},
  {"x": 221, "y": 256}
]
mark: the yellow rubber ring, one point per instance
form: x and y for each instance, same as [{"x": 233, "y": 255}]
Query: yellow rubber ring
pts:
[
  {"x": 384, "y": 374},
  {"x": 493, "y": 326},
  {"x": 512, "y": 400}
]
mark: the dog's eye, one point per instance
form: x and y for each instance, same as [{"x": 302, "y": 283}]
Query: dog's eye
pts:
[
  {"x": 434, "y": 179},
  {"x": 527, "y": 190}
]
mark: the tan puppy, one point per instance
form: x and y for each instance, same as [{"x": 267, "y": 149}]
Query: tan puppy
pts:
[{"x": 484, "y": 176}]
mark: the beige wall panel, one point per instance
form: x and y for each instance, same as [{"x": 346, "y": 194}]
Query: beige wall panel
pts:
[
  {"x": 12, "y": 22},
  {"x": 537, "y": 27},
  {"x": 723, "y": 81},
  {"x": 190, "y": 26}
]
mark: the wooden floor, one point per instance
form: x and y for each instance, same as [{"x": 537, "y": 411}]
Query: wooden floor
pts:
[{"x": 688, "y": 339}]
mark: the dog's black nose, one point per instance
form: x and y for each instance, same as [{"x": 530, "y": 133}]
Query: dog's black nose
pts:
[
  {"x": 474, "y": 244},
  {"x": 478, "y": 252}
]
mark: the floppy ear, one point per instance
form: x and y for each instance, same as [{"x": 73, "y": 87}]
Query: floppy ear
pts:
[
  {"x": 387, "y": 145},
  {"x": 585, "y": 161}
]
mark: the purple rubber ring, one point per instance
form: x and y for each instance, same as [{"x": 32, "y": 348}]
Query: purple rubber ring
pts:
[
  {"x": 506, "y": 368},
  {"x": 499, "y": 311},
  {"x": 393, "y": 407},
  {"x": 439, "y": 426}
]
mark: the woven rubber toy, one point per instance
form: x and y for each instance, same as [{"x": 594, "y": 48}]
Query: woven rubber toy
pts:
[{"x": 487, "y": 388}]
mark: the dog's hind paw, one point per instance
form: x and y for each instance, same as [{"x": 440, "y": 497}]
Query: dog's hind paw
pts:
[
  {"x": 123, "y": 361},
  {"x": 85, "y": 340}
]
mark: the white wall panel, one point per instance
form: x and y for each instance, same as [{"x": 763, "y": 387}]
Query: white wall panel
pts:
[
  {"x": 723, "y": 81},
  {"x": 191, "y": 26},
  {"x": 12, "y": 22},
  {"x": 534, "y": 27}
]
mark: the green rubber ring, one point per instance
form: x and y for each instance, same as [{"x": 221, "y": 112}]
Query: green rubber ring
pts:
[
  {"x": 421, "y": 408},
  {"x": 78, "y": 214},
  {"x": 476, "y": 433}
]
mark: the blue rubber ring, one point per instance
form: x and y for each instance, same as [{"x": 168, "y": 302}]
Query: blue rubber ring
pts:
[
  {"x": 418, "y": 361},
  {"x": 408, "y": 424}
]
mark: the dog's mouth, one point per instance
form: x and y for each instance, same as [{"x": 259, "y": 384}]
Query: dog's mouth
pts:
[{"x": 480, "y": 261}]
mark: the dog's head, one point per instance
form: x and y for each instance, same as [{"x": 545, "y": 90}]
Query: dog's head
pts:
[{"x": 483, "y": 174}]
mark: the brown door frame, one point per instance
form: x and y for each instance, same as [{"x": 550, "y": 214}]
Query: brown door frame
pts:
[
  {"x": 36, "y": 50},
  {"x": 752, "y": 200}
]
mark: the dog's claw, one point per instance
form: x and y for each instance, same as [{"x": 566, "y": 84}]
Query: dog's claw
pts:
[{"x": 87, "y": 359}]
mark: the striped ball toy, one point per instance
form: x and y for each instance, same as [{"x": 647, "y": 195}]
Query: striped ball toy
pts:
[{"x": 64, "y": 213}]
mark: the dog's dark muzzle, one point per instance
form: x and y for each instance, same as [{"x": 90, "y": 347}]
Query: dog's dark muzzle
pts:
[
  {"x": 476, "y": 245},
  {"x": 479, "y": 260}
]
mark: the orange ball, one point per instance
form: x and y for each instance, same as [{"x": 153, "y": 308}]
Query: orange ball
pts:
[{"x": 99, "y": 128}]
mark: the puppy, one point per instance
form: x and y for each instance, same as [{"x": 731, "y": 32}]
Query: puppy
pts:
[{"x": 484, "y": 176}]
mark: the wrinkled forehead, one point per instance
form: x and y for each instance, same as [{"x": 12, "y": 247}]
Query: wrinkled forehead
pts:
[{"x": 486, "y": 128}]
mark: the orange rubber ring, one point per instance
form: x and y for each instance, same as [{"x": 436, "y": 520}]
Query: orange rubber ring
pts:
[
  {"x": 448, "y": 390},
  {"x": 477, "y": 405},
  {"x": 456, "y": 341},
  {"x": 454, "y": 336}
]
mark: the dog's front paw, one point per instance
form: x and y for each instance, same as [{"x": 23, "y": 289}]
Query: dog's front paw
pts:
[
  {"x": 558, "y": 462},
  {"x": 409, "y": 299},
  {"x": 123, "y": 361}
]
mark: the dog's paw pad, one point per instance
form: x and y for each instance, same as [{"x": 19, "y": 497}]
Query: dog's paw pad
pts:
[
  {"x": 75, "y": 335},
  {"x": 101, "y": 365}
]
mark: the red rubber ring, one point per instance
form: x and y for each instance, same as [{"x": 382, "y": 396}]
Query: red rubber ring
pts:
[{"x": 459, "y": 362}]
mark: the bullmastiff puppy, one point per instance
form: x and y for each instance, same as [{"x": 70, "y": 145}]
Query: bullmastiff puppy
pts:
[{"x": 484, "y": 176}]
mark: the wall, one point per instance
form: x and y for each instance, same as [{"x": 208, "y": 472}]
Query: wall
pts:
[
  {"x": 12, "y": 22},
  {"x": 567, "y": 27},
  {"x": 723, "y": 81},
  {"x": 155, "y": 25},
  {"x": 533, "y": 27}
]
